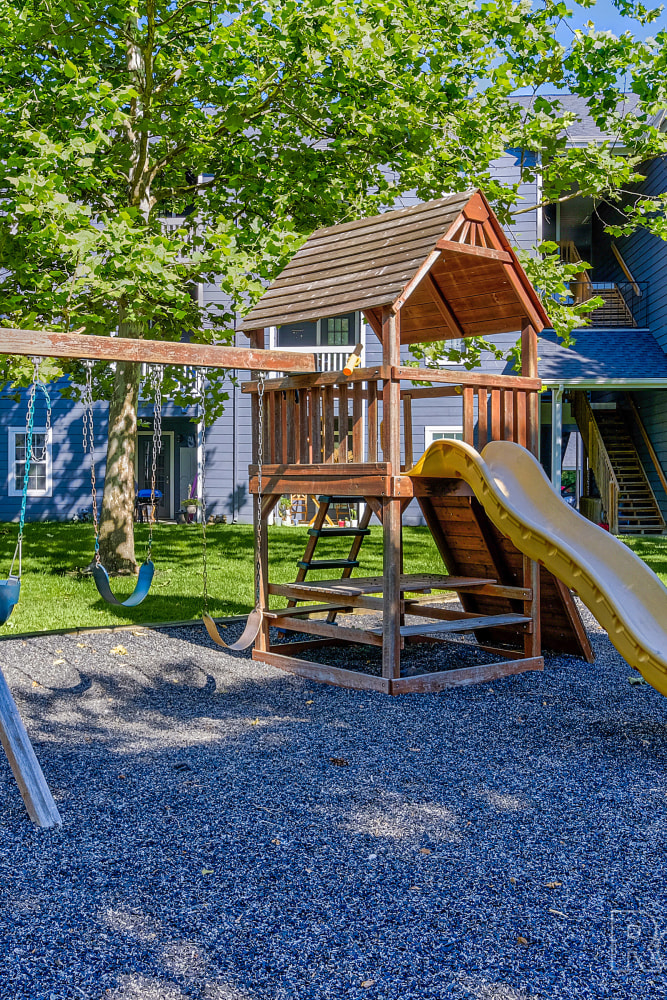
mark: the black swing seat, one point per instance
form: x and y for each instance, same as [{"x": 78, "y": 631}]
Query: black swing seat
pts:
[
  {"x": 10, "y": 590},
  {"x": 140, "y": 592}
]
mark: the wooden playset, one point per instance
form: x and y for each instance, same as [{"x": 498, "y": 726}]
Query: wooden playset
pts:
[
  {"x": 434, "y": 272},
  {"x": 437, "y": 271}
]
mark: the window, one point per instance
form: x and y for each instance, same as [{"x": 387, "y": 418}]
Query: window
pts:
[
  {"x": 452, "y": 432},
  {"x": 39, "y": 481},
  {"x": 334, "y": 331}
]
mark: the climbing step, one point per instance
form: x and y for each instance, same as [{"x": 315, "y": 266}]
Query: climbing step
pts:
[
  {"x": 338, "y": 532},
  {"x": 328, "y": 564}
]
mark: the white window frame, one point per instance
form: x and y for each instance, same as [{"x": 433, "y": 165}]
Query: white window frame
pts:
[
  {"x": 445, "y": 430},
  {"x": 15, "y": 489}
]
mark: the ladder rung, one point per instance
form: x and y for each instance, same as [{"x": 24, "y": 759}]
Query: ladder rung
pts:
[
  {"x": 328, "y": 564},
  {"x": 327, "y": 499},
  {"x": 338, "y": 532}
]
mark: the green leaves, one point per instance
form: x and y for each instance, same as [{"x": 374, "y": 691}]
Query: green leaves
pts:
[{"x": 250, "y": 124}]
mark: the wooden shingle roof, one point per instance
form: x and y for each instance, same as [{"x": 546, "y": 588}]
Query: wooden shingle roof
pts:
[{"x": 434, "y": 261}]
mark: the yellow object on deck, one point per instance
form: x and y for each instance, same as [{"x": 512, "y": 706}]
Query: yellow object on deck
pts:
[{"x": 617, "y": 587}]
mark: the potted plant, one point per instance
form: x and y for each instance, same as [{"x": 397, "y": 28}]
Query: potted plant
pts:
[
  {"x": 285, "y": 510},
  {"x": 191, "y": 506}
]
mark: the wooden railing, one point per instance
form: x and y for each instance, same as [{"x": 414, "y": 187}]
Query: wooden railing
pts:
[
  {"x": 598, "y": 458},
  {"x": 326, "y": 418}
]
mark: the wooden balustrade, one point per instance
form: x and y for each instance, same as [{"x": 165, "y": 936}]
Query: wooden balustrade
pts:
[
  {"x": 598, "y": 458},
  {"x": 338, "y": 420}
]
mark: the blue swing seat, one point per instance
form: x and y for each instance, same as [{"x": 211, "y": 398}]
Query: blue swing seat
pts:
[
  {"x": 10, "y": 590},
  {"x": 140, "y": 592}
]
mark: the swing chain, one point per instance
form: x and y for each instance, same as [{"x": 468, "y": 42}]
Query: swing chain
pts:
[
  {"x": 260, "y": 461},
  {"x": 89, "y": 446},
  {"x": 157, "y": 375},
  {"x": 202, "y": 397},
  {"x": 30, "y": 457}
]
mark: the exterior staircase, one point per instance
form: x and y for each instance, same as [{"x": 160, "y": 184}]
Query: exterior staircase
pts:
[
  {"x": 614, "y": 311},
  {"x": 638, "y": 510}
]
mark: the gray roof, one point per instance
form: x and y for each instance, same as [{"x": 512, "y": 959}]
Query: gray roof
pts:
[
  {"x": 605, "y": 355},
  {"x": 584, "y": 129}
]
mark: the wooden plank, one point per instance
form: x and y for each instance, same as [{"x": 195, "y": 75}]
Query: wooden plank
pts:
[
  {"x": 409, "y": 583},
  {"x": 434, "y": 392},
  {"x": 328, "y": 418},
  {"x": 289, "y": 427},
  {"x": 510, "y": 382},
  {"x": 372, "y": 421},
  {"x": 416, "y": 280},
  {"x": 520, "y": 418},
  {"x": 450, "y": 247},
  {"x": 47, "y": 344},
  {"x": 468, "y": 415},
  {"x": 507, "y": 415},
  {"x": 496, "y": 427},
  {"x": 343, "y": 424},
  {"x": 443, "y": 679},
  {"x": 301, "y": 645},
  {"x": 357, "y": 422},
  {"x": 443, "y": 307},
  {"x": 407, "y": 429},
  {"x": 304, "y": 401},
  {"x": 24, "y": 764},
  {"x": 381, "y": 253},
  {"x": 482, "y": 418},
  {"x": 462, "y": 624},
  {"x": 318, "y": 379},
  {"x": 279, "y": 439},
  {"x": 315, "y": 408},
  {"x": 323, "y": 673},
  {"x": 313, "y": 626}
]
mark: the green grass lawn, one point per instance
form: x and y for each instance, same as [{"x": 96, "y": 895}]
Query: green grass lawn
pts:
[{"x": 54, "y": 594}]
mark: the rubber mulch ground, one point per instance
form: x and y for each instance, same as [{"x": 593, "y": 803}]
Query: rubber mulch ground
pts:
[{"x": 234, "y": 833}]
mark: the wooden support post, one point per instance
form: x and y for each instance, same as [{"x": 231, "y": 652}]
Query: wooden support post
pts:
[
  {"x": 391, "y": 509},
  {"x": 21, "y": 756},
  {"x": 468, "y": 415},
  {"x": 532, "y": 640},
  {"x": 407, "y": 429},
  {"x": 529, "y": 369}
]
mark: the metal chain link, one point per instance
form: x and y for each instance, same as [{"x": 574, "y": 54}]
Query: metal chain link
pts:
[
  {"x": 30, "y": 456},
  {"x": 156, "y": 377},
  {"x": 89, "y": 446}
]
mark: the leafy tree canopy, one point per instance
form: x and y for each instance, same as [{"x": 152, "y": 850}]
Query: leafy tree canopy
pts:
[{"x": 252, "y": 123}]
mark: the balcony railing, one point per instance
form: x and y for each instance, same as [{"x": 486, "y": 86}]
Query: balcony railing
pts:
[{"x": 625, "y": 303}]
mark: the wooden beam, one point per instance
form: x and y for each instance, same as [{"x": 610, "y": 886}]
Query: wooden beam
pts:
[
  {"x": 322, "y": 672},
  {"x": 514, "y": 382},
  {"x": 416, "y": 280},
  {"x": 47, "y": 344},
  {"x": 487, "y": 252},
  {"x": 443, "y": 307},
  {"x": 21, "y": 756},
  {"x": 442, "y": 679},
  {"x": 314, "y": 379}
]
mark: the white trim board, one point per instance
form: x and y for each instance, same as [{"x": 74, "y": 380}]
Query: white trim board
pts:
[{"x": 15, "y": 489}]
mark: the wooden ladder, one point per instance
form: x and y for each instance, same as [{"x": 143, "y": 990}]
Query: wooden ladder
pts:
[{"x": 320, "y": 531}]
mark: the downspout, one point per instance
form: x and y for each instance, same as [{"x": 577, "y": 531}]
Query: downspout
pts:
[{"x": 556, "y": 437}]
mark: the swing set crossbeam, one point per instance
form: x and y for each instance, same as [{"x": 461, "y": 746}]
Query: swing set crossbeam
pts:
[{"x": 49, "y": 344}]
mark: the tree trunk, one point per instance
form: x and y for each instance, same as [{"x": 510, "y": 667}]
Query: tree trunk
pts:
[{"x": 117, "y": 522}]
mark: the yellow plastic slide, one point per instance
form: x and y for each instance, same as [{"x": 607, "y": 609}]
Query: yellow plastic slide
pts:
[{"x": 625, "y": 596}]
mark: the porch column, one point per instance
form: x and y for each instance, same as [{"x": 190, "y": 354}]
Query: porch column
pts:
[{"x": 556, "y": 436}]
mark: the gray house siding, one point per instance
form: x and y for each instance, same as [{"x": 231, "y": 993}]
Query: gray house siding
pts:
[{"x": 70, "y": 490}]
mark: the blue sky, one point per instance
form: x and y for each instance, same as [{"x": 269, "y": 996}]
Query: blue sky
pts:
[{"x": 606, "y": 17}]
